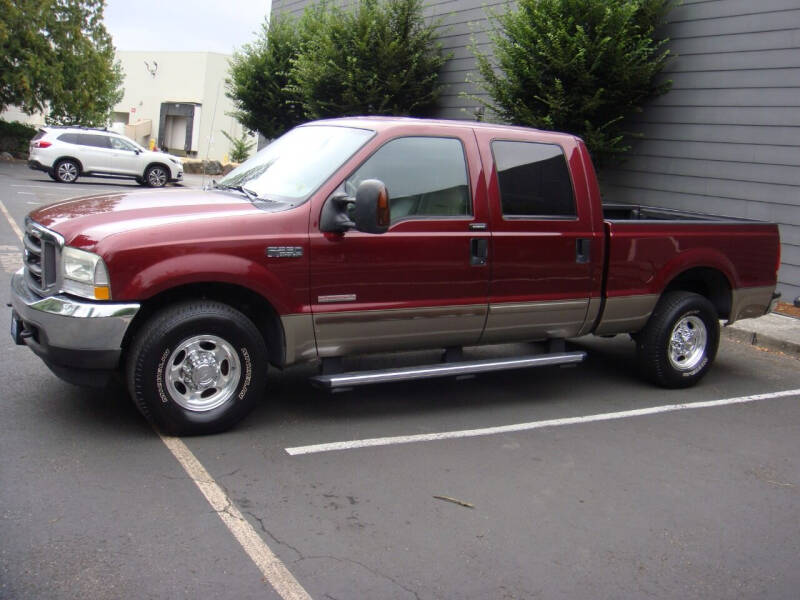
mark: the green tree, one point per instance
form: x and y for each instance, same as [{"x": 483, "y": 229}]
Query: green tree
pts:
[
  {"x": 379, "y": 58},
  {"x": 260, "y": 74},
  {"x": 58, "y": 54},
  {"x": 581, "y": 66}
]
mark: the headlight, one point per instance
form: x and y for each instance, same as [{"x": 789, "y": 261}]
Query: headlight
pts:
[
  {"x": 176, "y": 161},
  {"x": 85, "y": 274}
]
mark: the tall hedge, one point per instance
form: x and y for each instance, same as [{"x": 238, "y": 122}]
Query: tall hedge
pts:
[
  {"x": 581, "y": 66},
  {"x": 376, "y": 58},
  {"x": 15, "y": 137}
]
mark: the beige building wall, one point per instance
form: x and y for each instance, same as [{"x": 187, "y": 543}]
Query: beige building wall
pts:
[
  {"x": 194, "y": 81},
  {"x": 178, "y": 80}
]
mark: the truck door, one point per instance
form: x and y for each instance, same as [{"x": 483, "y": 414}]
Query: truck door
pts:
[
  {"x": 545, "y": 252},
  {"x": 423, "y": 283}
]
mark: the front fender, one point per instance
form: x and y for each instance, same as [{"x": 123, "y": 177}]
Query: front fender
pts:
[{"x": 176, "y": 271}]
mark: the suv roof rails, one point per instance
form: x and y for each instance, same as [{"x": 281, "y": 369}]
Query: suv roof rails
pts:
[{"x": 84, "y": 127}]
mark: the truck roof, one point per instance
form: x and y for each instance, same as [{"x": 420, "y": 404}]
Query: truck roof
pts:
[{"x": 380, "y": 123}]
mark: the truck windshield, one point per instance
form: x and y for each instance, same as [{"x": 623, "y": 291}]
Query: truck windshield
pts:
[{"x": 292, "y": 167}]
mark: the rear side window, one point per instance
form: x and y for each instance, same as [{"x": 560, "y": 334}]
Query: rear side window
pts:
[
  {"x": 39, "y": 135},
  {"x": 91, "y": 139},
  {"x": 69, "y": 138},
  {"x": 425, "y": 176},
  {"x": 534, "y": 180}
]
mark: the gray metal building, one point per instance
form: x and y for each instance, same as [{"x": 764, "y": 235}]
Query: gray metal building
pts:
[{"x": 725, "y": 140}]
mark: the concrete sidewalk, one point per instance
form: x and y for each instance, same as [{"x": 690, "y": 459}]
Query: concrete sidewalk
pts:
[{"x": 772, "y": 332}]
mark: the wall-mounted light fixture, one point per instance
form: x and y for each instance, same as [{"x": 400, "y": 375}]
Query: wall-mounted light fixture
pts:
[{"x": 152, "y": 70}]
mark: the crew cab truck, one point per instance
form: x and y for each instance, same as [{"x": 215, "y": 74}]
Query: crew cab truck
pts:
[{"x": 362, "y": 235}]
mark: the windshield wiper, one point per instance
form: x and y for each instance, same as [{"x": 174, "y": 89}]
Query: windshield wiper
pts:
[{"x": 251, "y": 195}]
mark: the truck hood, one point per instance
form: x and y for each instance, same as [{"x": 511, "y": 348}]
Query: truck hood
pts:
[{"x": 83, "y": 222}]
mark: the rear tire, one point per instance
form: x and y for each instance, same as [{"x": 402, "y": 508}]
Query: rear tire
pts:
[
  {"x": 67, "y": 170},
  {"x": 196, "y": 368},
  {"x": 679, "y": 343}
]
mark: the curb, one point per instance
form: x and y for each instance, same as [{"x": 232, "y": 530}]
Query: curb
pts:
[{"x": 761, "y": 340}]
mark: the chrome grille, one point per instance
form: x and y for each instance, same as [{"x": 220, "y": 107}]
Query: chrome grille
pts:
[{"x": 42, "y": 252}]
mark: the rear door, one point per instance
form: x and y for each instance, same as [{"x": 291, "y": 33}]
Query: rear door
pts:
[
  {"x": 95, "y": 152},
  {"x": 424, "y": 283},
  {"x": 546, "y": 243}
]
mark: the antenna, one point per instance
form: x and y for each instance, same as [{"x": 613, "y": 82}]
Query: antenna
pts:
[{"x": 211, "y": 136}]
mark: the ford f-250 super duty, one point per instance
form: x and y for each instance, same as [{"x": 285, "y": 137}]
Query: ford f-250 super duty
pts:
[{"x": 363, "y": 235}]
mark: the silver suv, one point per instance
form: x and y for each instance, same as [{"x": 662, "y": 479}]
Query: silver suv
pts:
[{"x": 66, "y": 153}]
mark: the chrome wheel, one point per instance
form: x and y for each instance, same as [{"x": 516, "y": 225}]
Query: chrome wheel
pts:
[
  {"x": 156, "y": 177},
  {"x": 202, "y": 373},
  {"x": 687, "y": 343},
  {"x": 67, "y": 171}
]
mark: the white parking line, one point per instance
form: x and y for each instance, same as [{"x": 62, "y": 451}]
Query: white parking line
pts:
[
  {"x": 11, "y": 222},
  {"x": 271, "y": 567},
  {"x": 274, "y": 571},
  {"x": 448, "y": 435}
]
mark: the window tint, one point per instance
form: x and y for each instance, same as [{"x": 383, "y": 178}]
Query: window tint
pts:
[
  {"x": 69, "y": 138},
  {"x": 533, "y": 179},
  {"x": 424, "y": 176},
  {"x": 91, "y": 139}
]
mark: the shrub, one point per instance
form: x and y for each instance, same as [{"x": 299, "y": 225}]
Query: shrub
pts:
[
  {"x": 380, "y": 59},
  {"x": 259, "y": 80},
  {"x": 240, "y": 147},
  {"x": 15, "y": 137},
  {"x": 581, "y": 66}
]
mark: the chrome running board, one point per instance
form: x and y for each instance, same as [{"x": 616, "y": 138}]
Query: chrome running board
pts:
[{"x": 339, "y": 381}]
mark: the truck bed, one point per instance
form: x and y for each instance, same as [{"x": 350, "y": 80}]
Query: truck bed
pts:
[{"x": 633, "y": 212}]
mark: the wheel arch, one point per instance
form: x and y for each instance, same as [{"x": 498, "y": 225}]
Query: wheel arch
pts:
[
  {"x": 68, "y": 157},
  {"x": 709, "y": 282},
  {"x": 157, "y": 163},
  {"x": 254, "y": 306}
]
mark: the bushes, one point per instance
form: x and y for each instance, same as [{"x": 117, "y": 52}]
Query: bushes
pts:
[
  {"x": 581, "y": 66},
  {"x": 15, "y": 137},
  {"x": 375, "y": 59}
]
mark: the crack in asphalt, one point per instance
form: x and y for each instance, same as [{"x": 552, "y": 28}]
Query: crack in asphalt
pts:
[
  {"x": 365, "y": 567},
  {"x": 273, "y": 538}
]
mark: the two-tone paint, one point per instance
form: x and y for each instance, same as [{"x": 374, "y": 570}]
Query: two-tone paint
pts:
[{"x": 415, "y": 285}]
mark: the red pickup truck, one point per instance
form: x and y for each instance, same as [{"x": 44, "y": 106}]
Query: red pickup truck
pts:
[{"x": 362, "y": 235}]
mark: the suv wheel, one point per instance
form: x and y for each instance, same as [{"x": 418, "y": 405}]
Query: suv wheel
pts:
[
  {"x": 67, "y": 170},
  {"x": 156, "y": 176}
]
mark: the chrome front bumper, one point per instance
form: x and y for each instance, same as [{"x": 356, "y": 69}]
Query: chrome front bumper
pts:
[{"x": 66, "y": 332}]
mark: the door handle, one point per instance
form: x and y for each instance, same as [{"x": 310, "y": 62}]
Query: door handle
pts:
[
  {"x": 583, "y": 250},
  {"x": 479, "y": 251}
]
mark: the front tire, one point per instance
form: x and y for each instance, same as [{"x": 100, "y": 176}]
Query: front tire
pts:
[
  {"x": 197, "y": 368},
  {"x": 156, "y": 176},
  {"x": 67, "y": 170},
  {"x": 679, "y": 343}
]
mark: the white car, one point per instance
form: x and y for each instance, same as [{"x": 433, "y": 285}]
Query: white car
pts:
[{"x": 66, "y": 153}]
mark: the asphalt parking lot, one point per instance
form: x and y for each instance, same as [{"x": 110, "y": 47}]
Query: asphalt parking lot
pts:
[{"x": 530, "y": 495}]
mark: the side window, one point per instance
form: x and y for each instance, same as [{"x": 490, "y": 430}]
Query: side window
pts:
[
  {"x": 92, "y": 139},
  {"x": 120, "y": 144},
  {"x": 69, "y": 138},
  {"x": 533, "y": 179},
  {"x": 425, "y": 176}
]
